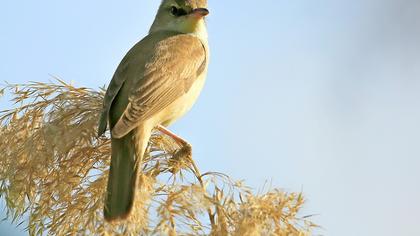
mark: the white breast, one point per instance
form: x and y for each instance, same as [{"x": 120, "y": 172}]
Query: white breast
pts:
[{"x": 183, "y": 104}]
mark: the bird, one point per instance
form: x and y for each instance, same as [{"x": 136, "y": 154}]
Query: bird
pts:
[{"x": 156, "y": 83}]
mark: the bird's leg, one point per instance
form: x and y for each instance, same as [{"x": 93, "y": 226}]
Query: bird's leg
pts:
[
  {"x": 186, "y": 151},
  {"x": 175, "y": 137},
  {"x": 186, "y": 148}
]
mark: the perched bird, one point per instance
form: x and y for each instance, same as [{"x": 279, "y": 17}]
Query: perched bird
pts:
[{"x": 156, "y": 83}]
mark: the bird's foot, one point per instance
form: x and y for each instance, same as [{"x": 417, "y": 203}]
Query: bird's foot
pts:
[
  {"x": 184, "y": 152},
  {"x": 182, "y": 157}
]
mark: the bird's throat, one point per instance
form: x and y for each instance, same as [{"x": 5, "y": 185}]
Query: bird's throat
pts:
[{"x": 199, "y": 29}]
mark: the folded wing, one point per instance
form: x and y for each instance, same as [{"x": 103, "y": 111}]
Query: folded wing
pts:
[{"x": 169, "y": 72}]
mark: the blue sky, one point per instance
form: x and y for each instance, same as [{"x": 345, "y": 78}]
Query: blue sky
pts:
[{"x": 320, "y": 96}]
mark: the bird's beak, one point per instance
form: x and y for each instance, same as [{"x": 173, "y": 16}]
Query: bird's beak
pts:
[{"x": 200, "y": 12}]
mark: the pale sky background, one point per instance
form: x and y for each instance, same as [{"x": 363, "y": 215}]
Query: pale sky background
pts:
[{"x": 320, "y": 96}]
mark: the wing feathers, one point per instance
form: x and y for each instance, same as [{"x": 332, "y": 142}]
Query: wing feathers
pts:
[
  {"x": 169, "y": 73},
  {"x": 112, "y": 91}
]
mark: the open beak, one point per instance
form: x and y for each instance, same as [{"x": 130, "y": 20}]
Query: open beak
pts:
[{"x": 200, "y": 12}]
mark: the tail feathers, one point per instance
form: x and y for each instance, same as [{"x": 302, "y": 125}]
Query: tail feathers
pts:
[
  {"x": 127, "y": 155},
  {"x": 121, "y": 180}
]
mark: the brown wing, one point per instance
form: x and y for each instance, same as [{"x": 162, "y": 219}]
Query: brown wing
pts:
[
  {"x": 112, "y": 91},
  {"x": 168, "y": 74}
]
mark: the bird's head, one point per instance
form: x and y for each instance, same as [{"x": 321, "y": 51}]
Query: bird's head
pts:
[{"x": 184, "y": 16}]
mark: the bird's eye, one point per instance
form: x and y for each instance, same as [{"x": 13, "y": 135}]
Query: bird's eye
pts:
[
  {"x": 174, "y": 11},
  {"x": 178, "y": 11}
]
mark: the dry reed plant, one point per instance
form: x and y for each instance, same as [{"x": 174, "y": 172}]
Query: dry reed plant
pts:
[{"x": 53, "y": 173}]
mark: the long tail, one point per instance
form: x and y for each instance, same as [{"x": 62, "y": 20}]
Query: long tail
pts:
[{"x": 127, "y": 155}]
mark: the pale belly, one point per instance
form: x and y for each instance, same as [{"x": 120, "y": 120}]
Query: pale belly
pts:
[{"x": 182, "y": 105}]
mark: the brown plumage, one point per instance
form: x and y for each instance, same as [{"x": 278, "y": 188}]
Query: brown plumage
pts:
[
  {"x": 156, "y": 83},
  {"x": 175, "y": 64}
]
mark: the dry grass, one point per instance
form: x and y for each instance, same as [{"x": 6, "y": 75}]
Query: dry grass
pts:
[{"x": 53, "y": 172}]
